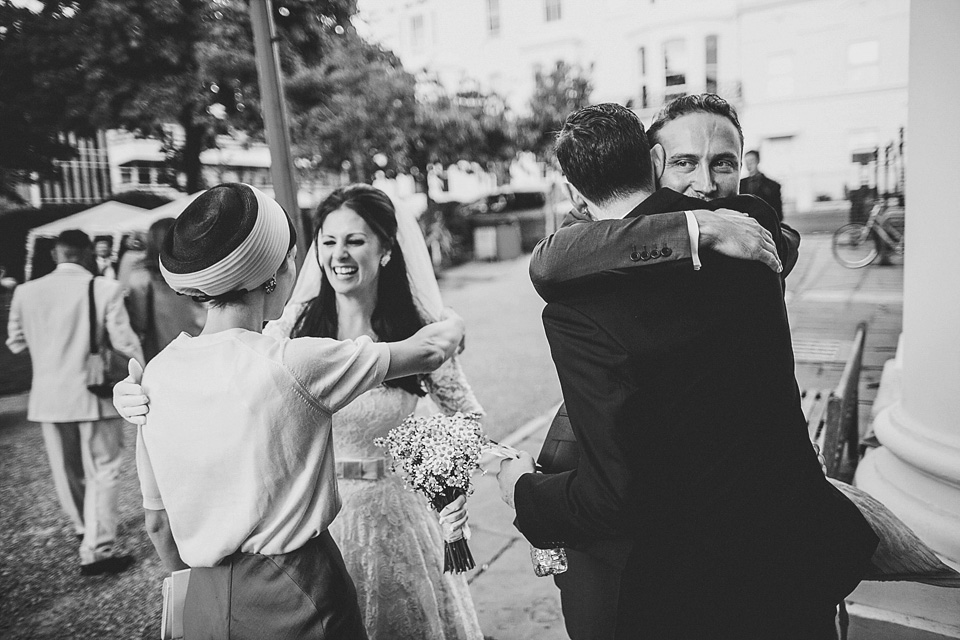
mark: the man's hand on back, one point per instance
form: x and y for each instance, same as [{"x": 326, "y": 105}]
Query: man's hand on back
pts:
[{"x": 737, "y": 235}]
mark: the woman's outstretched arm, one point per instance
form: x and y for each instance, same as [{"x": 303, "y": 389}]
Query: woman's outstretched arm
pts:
[{"x": 428, "y": 348}]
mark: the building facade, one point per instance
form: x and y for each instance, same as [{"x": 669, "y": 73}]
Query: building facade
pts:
[
  {"x": 814, "y": 80},
  {"x": 118, "y": 161}
]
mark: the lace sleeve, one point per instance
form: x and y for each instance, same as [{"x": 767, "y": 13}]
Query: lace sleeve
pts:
[
  {"x": 283, "y": 326},
  {"x": 448, "y": 387}
]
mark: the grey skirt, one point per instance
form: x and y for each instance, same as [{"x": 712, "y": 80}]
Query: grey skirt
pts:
[{"x": 304, "y": 594}]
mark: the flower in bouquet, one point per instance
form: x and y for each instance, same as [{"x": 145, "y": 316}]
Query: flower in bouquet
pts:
[{"x": 436, "y": 456}]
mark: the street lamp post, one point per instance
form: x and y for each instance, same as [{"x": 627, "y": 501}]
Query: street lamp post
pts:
[{"x": 275, "y": 115}]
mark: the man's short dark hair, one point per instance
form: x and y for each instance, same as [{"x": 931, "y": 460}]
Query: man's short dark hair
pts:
[
  {"x": 700, "y": 103},
  {"x": 74, "y": 239},
  {"x": 604, "y": 153},
  {"x": 754, "y": 153}
]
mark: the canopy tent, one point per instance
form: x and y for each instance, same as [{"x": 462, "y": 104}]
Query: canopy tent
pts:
[
  {"x": 113, "y": 219},
  {"x": 171, "y": 209},
  {"x": 103, "y": 219}
]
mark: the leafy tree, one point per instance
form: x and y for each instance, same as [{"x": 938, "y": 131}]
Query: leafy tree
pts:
[
  {"x": 355, "y": 107},
  {"x": 468, "y": 125},
  {"x": 141, "y": 64},
  {"x": 34, "y": 80},
  {"x": 558, "y": 93},
  {"x": 359, "y": 105}
]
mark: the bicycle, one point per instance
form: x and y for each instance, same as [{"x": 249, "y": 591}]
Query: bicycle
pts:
[{"x": 856, "y": 245}]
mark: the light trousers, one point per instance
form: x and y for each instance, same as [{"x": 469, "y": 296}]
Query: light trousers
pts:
[{"x": 85, "y": 465}]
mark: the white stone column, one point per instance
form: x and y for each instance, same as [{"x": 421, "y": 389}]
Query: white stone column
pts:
[{"x": 916, "y": 472}]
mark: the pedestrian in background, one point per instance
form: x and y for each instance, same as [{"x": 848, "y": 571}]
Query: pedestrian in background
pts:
[
  {"x": 760, "y": 185},
  {"x": 132, "y": 254},
  {"x": 50, "y": 316},
  {"x": 104, "y": 261},
  {"x": 157, "y": 313}
]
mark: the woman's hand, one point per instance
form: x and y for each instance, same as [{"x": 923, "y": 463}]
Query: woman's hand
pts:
[
  {"x": 448, "y": 313},
  {"x": 128, "y": 397},
  {"x": 453, "y": 519}
]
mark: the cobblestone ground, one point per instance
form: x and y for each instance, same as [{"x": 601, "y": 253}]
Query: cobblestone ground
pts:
[{"x": 42, "y": 594}]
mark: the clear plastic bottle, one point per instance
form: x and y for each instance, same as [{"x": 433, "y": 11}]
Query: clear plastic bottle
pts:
[{"x": 548, "y": 562}]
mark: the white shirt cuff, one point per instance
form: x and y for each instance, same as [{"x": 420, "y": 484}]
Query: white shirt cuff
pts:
[{"x": 693, "y": 229}]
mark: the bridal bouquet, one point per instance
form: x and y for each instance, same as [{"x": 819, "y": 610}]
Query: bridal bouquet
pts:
[{"x": 436, "y": 456}]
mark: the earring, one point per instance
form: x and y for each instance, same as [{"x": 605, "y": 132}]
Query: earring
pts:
[
  {"x": 385, "y": 260},
  {"x": 270, "y": 285}
]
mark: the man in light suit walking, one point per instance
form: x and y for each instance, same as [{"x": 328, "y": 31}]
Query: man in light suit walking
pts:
[{"x": 50, "y": 316}]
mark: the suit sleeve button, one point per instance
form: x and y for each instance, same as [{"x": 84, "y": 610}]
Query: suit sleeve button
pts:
[
  {"x": 655, "y": 254},
  {"x": 644, "y": 256},
  {"x": 666, "y": 251},
  {"x": 635, "y": 256}
]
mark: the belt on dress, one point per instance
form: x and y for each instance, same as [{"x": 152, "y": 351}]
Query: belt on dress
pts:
[{"x": 364, "y": 469}]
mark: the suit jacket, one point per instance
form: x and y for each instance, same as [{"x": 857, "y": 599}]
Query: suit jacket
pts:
[
  {"x": 585, "y": 251},
  {"x": 576, "y": 256},
  {"x": 764, "y": 188},
  {"x": 692, "y": 445},
  {"x": 50, "y": 316}
]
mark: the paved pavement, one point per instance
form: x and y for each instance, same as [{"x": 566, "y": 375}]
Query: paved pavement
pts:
[{"x": 825, "y": 301}]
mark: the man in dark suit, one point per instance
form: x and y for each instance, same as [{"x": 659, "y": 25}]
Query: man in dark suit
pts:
[
  {"x": 695, "y": 481},
  {"x": 757, "y": 184},
  {"x": 695, "y": 158}
]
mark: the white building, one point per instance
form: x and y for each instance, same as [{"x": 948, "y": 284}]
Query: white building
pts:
[
  {"x": 117, "y": 161},
  {"x": 814, "y": 80},
  {"x": 138, "y": 163}
]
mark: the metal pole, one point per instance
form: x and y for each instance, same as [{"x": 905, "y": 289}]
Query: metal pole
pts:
[{"x": 275, "y": 115}]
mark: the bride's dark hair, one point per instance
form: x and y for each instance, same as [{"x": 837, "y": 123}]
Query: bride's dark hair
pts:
[{"x": 395, "y": 316}]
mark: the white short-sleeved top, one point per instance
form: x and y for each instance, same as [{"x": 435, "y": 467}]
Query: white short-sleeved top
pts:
[{"x": 237, "y": 447}]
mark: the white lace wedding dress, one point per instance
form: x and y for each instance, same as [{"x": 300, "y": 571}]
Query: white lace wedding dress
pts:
[{"x": 389, "y": 536}]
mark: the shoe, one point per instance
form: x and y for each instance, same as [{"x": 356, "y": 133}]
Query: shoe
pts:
[{"x": 111, "y": 565}]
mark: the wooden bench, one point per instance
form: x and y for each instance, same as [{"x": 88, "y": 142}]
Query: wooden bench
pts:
[{"x": 833, "y": 420}]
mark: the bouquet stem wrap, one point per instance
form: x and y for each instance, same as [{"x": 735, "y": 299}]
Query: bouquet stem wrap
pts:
[{"x": 456, "y": 555}]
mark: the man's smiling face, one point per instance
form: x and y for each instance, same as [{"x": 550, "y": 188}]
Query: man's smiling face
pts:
[{"x": 701, "y": 156}]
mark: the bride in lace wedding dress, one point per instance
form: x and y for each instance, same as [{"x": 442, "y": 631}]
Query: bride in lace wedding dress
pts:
[{"x": 356, "y": 281}]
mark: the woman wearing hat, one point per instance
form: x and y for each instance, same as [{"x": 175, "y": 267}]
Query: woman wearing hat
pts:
[{"x": 235, "y": 461}]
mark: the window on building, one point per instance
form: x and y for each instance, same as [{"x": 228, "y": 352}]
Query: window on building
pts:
[
  {"x": 675, "y": 69},
  {"x": 863, "y": 63},
  {"x": 126, "y": 175},
  {"x": 553, "y": 10},
  {"x": 417, "y": 32},
  {"x": 642, "y": 64},
  {"x": 493, "y": 17},
  {"x": 711, "y": 67},
  {"x": 143, "y": 175},
  {"x": 780, "y": 81}
]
